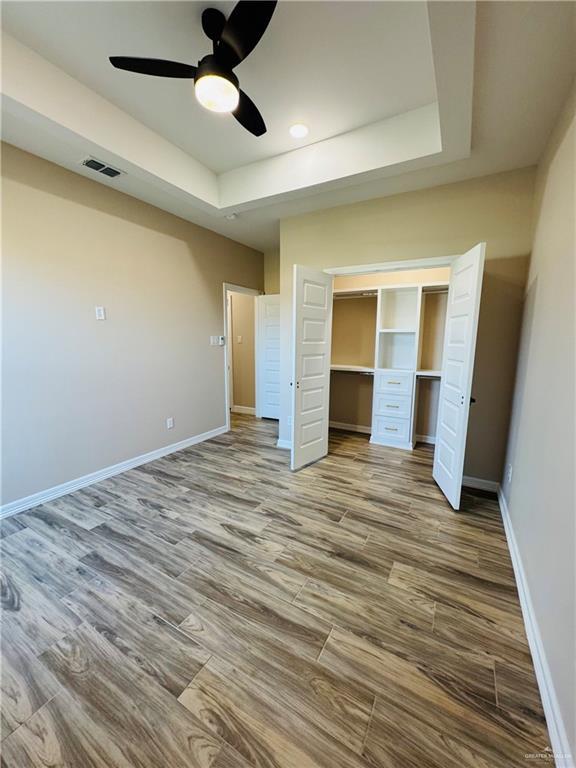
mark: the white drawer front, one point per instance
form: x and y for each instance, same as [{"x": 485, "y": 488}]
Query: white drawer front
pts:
[
  {"x": 398, "y": 382},
  {"x": 385, "y": 428},
  {"x": 398, "y": 406}
]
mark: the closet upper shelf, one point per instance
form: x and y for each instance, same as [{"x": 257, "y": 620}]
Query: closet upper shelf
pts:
[
  {"x": 397, "y": 330},
  {"x": 352, "y": 368}
]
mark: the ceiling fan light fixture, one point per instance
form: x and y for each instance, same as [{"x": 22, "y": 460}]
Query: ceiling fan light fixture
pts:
[
  {"x": 215, "y": 85},
  {"x": 299, "y": 131},
  {"x": 216, "y": 93}
]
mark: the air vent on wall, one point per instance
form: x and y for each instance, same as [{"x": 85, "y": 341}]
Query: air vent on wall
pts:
[{"x": 100, "y": 167}]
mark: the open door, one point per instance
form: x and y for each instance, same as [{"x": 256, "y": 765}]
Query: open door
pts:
[
  {"x": 268, "y": 356},
  {"x": 457, "y": 369},
  {"x": 312, "y": 337}
]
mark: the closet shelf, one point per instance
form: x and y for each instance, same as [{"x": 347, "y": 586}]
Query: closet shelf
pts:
[
  {"x": 352, "y": 368},
  {"x": 429, "y": 374},
  {"x": 397, "y": 330}
]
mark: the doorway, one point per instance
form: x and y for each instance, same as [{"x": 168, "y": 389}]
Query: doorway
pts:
[{"x": 240, "y": 349}]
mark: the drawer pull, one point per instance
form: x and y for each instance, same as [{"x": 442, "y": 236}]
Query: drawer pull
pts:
[
  {"x": 391, "y": 429},
  {"x": 392, "y": 406},
  {"x": 393, "y": 382}
]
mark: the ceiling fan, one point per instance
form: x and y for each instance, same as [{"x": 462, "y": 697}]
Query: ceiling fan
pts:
[{"x": 215, "y": 85}]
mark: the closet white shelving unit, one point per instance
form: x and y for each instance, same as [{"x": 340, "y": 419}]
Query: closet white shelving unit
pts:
[
  {"x": 409, "y": 345},
  {"x": 406, "y": 327}
]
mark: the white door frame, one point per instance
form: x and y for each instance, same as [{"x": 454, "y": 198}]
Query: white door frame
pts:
[{"x": 228, "y": 288}]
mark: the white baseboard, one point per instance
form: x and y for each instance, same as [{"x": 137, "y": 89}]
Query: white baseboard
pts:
[
  {"x": 243, "y": 409},
  {"x": 480, "y": 484},
  {"x": 286, "y": 444},
  {"x": 556, "y": 728},
  {"x": 430, "y": 439},
  {"x": 19, "y": 505},
  {"x": 351, "y": 427}
]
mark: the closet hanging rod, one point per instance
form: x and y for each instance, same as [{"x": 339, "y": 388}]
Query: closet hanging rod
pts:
[
  {"x": 439, "y": 289},
  {"x": 362, "y": 295},
  {"x": 350, "y": 370}
]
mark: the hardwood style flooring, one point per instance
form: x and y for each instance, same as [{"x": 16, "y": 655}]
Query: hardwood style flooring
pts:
[{"x": 214, "y": 610}]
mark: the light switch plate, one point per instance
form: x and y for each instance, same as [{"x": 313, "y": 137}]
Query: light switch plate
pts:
[{"x": 100, "y": 313}]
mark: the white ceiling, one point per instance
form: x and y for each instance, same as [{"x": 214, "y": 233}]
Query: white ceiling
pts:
[
  {"x": 492, "y": 112},
  {"x": 335, "y": 67}
]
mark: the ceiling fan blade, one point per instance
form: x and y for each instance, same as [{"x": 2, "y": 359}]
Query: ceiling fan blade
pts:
[
  {"x": 213, "y": 22},
  {"x": 158, "y": 67},
  {"x": 243, "y": 30},
  {"x": 248, "y": 115}
]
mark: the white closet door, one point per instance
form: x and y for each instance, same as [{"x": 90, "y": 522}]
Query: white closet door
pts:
[
  {"x": 312, "y": 336},
  {"x": 457, "y": 369},
  {"x": 268, "y": 357}
]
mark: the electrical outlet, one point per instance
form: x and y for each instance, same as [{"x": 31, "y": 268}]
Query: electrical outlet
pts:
[
  {"x": 239, "y": 339},
  {"x": 170, "y": 422},
  {"x": 509, "y": 473}
]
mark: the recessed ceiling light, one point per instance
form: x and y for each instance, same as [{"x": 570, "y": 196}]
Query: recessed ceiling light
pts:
[{"x": 299, "y": 131}]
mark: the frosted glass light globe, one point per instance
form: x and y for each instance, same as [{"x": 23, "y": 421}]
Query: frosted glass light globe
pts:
[{"x": 216, "y": 93}]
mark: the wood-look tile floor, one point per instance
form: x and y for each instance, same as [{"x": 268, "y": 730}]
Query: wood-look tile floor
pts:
[{"x": 214, "y": 609}]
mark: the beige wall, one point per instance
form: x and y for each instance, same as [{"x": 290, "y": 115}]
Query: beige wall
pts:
[
  {"x": 541, "y": 497},
  {"x": 351, "y": 398},
  {"x": 243, "y": 361},
  {"x": 430, "y": 223},
  {"x": 432, "y": 325},
  {"x": 81, "y": 394},
  {"x": 272, "y": 271},
  {"x": 427, "y": 398},
  {"x": 354, "y": 331}
]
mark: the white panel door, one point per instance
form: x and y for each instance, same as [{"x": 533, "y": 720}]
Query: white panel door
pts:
[
  {"x": 268, "y": 356},
  {"x": 312, "y": 337},
  {"x": 457, "y": 369}
]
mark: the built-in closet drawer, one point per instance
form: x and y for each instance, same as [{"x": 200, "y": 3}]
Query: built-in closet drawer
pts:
[
  {"x": 397, "y": 382},
  {"x": 385, "y": 428},
  {"x": 398, "y": 406}
]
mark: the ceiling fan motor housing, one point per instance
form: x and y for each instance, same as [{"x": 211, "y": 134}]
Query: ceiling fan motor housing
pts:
[{"x": 210, "y": 65}]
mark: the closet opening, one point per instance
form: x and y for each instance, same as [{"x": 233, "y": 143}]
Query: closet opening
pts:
[
  {"x": 386, "y": 354},
  {"x": 410, "y": 330}
]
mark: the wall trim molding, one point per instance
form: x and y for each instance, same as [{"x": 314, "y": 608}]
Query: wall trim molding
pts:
[
  {"x": 27, "y": 502},
  {"x": 248, "y": 410},
  {"x": 284, "y": 444},
  {"x": 351, "y": 427},
  {"x": 554, "y": 720},
  {"x": 480, "y": 484},
  {"x": 430, "y": 439}
]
